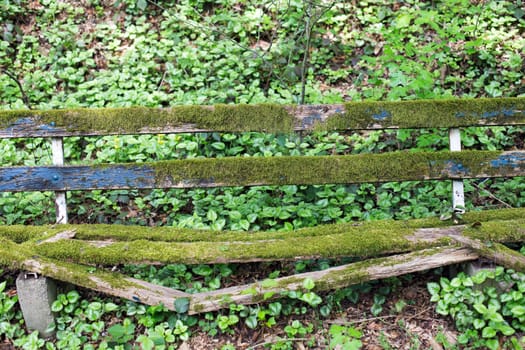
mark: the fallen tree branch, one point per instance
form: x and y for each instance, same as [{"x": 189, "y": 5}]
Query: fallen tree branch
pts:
[
  {"x": 333, "y": 278},
  {"x": 496, "y": 252},
  {"x": 383, "y": 238}
]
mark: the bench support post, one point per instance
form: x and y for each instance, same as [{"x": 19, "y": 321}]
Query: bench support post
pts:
[
  {"x": 35, "y": 295},
  {"x": 57, "y": 149},
  {"x": 458, "y": 193}
]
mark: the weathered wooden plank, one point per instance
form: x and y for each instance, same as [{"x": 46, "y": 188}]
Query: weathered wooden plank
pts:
[
  {"x": 254, "y": 171},
  {"x": 504, "y": 218},
  {"x": 16, "y": 256},
  {"x": 342, "y": 241},
  {"x": 494, "y": 251},
  {"x": 268, "y": 118},
  {"x": 332, "y": 278}
]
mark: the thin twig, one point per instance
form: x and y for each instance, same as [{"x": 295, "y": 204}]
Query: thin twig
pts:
[
  {"x": 378, "y": 318},
  {"x": 276, "y": 341},
  {"x": 492, "y": 196},
  {"x": 306, "y": 56},
  {"x": 25, "y": 99}
]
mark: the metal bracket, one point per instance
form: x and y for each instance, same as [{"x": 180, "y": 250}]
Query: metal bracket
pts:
[{"x": 30, "y": 274}]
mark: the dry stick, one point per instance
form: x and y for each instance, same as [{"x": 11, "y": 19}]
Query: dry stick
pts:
[
  {"x": 332, "y": 278},
  {"x": 25, "y": 99},
  {"x": 496, "y": 252},
  {"x": 362, "y": 320},
  {"x": 276, "y": 341},
  {"x": 492, "y": 195}
]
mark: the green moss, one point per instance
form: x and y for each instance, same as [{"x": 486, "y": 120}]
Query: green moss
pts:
[
  {"x": 361, "y": 168},
  {"x": 498, "y": 231},
  {"x": 371, "y": 243},
  {"x": 428, "y": 114},
  {"x": 22, "y": 233},
  {"x": 266, "y": 117},
  {"x": 276, "y": 118}
]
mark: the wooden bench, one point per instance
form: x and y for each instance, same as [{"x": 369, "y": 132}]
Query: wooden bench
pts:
[{"x": 69, "y": 252}]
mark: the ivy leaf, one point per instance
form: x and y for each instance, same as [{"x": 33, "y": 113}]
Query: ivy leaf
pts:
[
  {"x": 403, "y": 21},
  {"x": 311, "y": 299},
  {"x": 251, "y": 322},
  {"x": 142, "y": 4},
  {"x": 308, "y": 283},
  {"x": 492, "y": 344},
  {"x": 488, "y": 332},
  {"x": 181, "y": 305},
  {"x": 518, "y": 310}
]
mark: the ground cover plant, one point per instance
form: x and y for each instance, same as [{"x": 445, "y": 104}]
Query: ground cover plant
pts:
[{"x": 97, "y": 53}]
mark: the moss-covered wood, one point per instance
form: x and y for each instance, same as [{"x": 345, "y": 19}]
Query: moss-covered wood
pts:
[
  {"x": 94, "y": 232},
  {"x": 496, "y": 252},
  {"x": 332, "y": 278},
  {"x": 254, "y": 171},
  {"x": 269, "y": 118},
  {"x": 446, "y": 113},
  {"x": 19, "y": 257},
  {"x": 336, "y": 241}
]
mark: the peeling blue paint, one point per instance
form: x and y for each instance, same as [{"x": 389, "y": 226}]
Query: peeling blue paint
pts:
[
  {"x": 74, "y": 178},
  {"x": 310, "y": 120},
  {"x": 23, "y": 124},
  {"x": 382, "y": 115},
  {"x": 505, "y": 112},
  {"x": 513, "y": 159},
  {"x": 456, "y": 168}
]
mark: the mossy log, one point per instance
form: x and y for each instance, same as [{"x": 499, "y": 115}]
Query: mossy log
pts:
[
  {"x": 333, "y": 241},
  {"x": 496, "y": 252},
  {"x": 17, "y": 257},
  {"x": 445, "y": 113},
  {"x": 332, "y": 278},
  {"x": 254, "y": 171}
]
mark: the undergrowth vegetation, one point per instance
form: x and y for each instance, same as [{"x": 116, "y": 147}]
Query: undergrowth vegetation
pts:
[{"x": 97, "y": 53}]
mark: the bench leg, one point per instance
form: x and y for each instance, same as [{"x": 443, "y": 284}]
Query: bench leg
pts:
[{"x": 35, "y": 295}]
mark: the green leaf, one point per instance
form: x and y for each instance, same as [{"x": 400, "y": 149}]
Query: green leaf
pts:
[
  {"x": 308, "y": 283},
  {"x": 488, "y": 332},
  {"x": 218, "y": 146},
  {"x": 146, "y": 342},
  {"x": 73, "y": 296},
  {"x": 479, "y": 323},
  {"x": 275, "y": 308},
  {"x": 142, "y": 4},
  {"x": 251, "y": 322},
  {"x": 482, "y": 309},
  {"x": 108, "y": 307},
  {"x": 57, "y": 306},
  {"x": 433, "y": 288},
  {"x": 203, "y": 270},
  {"x": 505, "y": 329},
  {"x": 181, "y": 305},
  {"x": 311, "y": 299},
  {"x": 212, "y": 215},
  {"x": 403, "y": 21},
  {"x": 376, "y": 309},
  {"x": 518, "y": 310},
  {"x": 492, "y": 344}
]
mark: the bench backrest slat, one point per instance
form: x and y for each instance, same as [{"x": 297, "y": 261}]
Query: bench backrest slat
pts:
[
  {"x": 252, "y": 171},
  {"x": 266, "y": 118}
]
